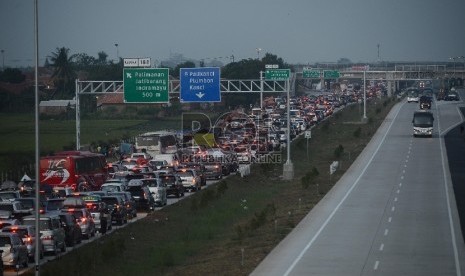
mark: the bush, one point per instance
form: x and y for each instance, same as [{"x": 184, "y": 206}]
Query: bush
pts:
[{"x": 338, "y": 151}]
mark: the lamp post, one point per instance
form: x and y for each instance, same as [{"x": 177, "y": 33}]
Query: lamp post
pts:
[
  {"x": 453, "y": 58},
  {"x": 258, "y": 52},
  {"x": 117, "y": 53},
  {"x": 3, "y": 59}
]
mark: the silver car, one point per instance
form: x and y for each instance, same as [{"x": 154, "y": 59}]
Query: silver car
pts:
[
  {"x": 14, "y": 250},
  {"x": 28, "y": 234},
  {"x": 53, "y": 234}
]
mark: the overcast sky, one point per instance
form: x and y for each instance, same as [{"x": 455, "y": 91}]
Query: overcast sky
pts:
[{"x": 299, "y": 31}]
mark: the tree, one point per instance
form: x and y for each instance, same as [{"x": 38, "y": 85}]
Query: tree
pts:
[
  {"x": 187, "y": 64},
  {"x": 344, "y": 61},
  {"x": 102, "y": 57},
  {"x": 63, "y": 74},
  {"x": 12, "y": 75}
]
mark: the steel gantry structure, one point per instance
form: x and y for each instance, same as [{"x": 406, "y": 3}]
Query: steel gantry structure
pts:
[{"x": 226, "y": 86}]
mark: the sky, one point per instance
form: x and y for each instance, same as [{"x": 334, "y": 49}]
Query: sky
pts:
[{"x": 298, "y": 31}]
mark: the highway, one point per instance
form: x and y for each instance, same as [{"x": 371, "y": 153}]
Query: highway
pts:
[{"x": 392, "y": 213}]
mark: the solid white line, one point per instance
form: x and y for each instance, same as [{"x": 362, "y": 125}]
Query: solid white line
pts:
[
  {"x": 291, "y": 267},
  {"x": 449, "y": 211},
  {"x": 376, "y": 265}
]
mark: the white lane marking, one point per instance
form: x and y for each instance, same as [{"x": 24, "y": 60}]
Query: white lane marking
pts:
[
  {"x": 376, "y": 265},
  {"x": 390, "y": 219},
  {"x": 386, "y": 232},
  {"x": 393, "y": 208},
  {"x": 398, "y": 191},
  {"x": 403, "y": 171},
  {"x": 402, "y": 177},
  {"x": 400, "y": 184},
  {"x": 294, "y": 263},
  {"x": 395, "y": 199},
  {"x": 449, "y": 211},
  {"x": 381, "y": 247}
]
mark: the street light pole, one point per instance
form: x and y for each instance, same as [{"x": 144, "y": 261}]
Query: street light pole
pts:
[
  {"x": 258, "y": 53},
  {"x": 117, "y": 53},
  {"x": 3, "y": 59}
]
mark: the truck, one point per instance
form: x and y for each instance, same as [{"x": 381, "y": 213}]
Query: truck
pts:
[{"x": 423, "y": 123}]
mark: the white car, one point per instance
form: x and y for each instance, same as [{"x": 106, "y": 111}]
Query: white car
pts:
[{"x": 158, "y": 191}]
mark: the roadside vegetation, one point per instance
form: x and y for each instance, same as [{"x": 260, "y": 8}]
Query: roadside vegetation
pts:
[{"x": 228, "y": 228}]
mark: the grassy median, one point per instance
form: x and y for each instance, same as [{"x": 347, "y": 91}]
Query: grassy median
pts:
[{"x": 230, "y": 227}]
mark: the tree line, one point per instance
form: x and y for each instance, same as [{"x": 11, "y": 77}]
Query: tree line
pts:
[{"x": 66, "y": 67}]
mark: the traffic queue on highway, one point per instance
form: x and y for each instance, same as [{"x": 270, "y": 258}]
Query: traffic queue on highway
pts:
[{"x": 83, "y": 196}]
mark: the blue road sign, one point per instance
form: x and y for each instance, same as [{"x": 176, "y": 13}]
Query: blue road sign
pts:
[{"x": 200, "y": 84}]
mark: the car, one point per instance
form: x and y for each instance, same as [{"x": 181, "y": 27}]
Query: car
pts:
[
  {"x": 213, "y": 170},
  {"x": 13, "y": 209},
  {"x": 14, "y": 251},
  {"x": 129, "y": 203},
  {"x": 452, "y": 96},
  {"x": 113, "y": 187},
  {"x": 51, "y": 230},
  {"x": 99, "y": 211},
  {"x": 157, "y": 189},
  {"x": 73, "y": 233},
  {"x": 173, "y": 184},
  {"x": 83, "y": 218},
  {"x": 28, "y": 234},
  {"x": 52, "y": 205},
  {"x": 141, "y": 194},
  {"x": 190, "y": 179},
  {"x": 200, "y": 168},
  {"x": 116, "y": 207}
]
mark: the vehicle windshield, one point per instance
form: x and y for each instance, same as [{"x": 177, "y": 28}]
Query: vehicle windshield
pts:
[
  {"x": 5, "y": 241},
  {"x": 20, "y": 232},
  {"x": 54, "y": 205},
  {"x": 423, "y": 120},
  {"x": 44, "y": 224},
  {"x": 110, "y": 188},
  {"x": 6, "y": 207},
  {"x": 168, "y": 180}
]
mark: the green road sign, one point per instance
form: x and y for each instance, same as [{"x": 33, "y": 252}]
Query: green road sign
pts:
[
  {"x": 277, "y": 74},
  {"x": 331, "y": 74},
  {"x": 311, "y": 74},
  {"x": 146, "y": 85}
]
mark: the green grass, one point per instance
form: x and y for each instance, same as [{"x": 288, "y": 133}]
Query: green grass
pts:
[
  {"x": 205, "y": 234},
  {"x": 17, "y": 147}
]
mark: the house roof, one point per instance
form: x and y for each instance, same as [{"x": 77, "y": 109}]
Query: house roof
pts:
[
  {"x": 110, "y": 98},
  {"x": 57, "y": 103}
]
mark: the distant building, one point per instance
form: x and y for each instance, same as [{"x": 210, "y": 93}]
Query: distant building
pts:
[{"x": 55, "y": 107}]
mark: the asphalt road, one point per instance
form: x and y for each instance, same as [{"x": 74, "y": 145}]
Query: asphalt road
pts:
[{"x": 392, "y": 213}]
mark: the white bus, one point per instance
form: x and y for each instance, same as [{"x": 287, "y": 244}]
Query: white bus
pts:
[{"x": 158, "y": 142}]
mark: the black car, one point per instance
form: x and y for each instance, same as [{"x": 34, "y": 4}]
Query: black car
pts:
[
  {"x": 141, "y": 194},
  {"x": 452, "y": 96},
  {"x": 173, "y": 184},
  {"x": 73, "y": 233},
  {"x": 425, "y": 102},
  {"x": 115, "y": 205}
]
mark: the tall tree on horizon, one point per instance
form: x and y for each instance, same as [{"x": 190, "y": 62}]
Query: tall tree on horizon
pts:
[{"x": 63, "y": 74}]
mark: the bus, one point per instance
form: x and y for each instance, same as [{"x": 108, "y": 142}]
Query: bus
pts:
[
  {"x": 80, "y": 170},
  {"x": 423, "y": 123},
  {"x": 158, "y": 142}
]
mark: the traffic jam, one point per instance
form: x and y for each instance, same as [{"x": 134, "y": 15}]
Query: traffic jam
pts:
[{"x": 83, "y": 195}]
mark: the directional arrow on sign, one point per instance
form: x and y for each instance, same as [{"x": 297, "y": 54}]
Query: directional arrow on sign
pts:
[{"x": 200, "y": 95}]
